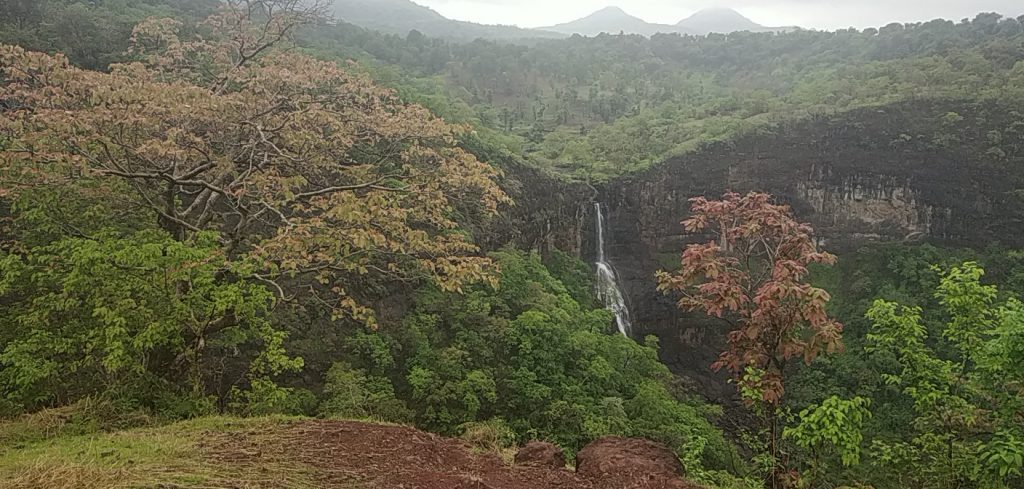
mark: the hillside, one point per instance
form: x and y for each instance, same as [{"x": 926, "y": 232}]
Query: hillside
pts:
[
  {"x": 722, "y": 21},
  {"x": 402, "y": 16},
  {"x": 752, "y": 260},
  {"x": 612, "y": 20},
  {"x": 282, "y": 453},
  {"x": 854, "y": 190},
  {"x": 595, "y": 108}
]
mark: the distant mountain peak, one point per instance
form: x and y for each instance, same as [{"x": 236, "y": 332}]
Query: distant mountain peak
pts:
[
  {"x": 402, "y": 16},
  {"x": 610, "y": 13},
  {"x": 611, "y": 20},
  {"x": 611, "y": 9},
  {"x": 721, "y": 20},
  {"x": 717, "y": 14}
]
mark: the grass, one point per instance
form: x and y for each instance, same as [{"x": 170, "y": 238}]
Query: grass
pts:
[
  {"x": 84, "y": 417},
  {"x": 492, "y": 436},
  {"x": 179, "y": 455}
]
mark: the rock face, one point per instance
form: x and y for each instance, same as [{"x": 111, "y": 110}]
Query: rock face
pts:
[
  {"x": 631, "y": 463},
  {"x": 548, "y": 214},
  {"x": 540, "y": 454},
  {"x": 936, "y": 171},
  {"x": 891, "y": 173},
  {"x": 929, "y": 170}
]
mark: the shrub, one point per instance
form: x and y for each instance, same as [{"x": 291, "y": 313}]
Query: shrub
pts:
[
  {"x": 493, "y": 435},
  {"x": 351, "y": 393}
]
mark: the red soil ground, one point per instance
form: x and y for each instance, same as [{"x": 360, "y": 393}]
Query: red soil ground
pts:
[{"x": 353, "y": 454}]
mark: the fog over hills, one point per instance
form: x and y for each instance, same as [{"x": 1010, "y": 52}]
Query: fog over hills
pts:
[
  {"x": 402, "y": 16},
  {"x": 722, "y": 20},
  {"x": 612, "y": 20}
]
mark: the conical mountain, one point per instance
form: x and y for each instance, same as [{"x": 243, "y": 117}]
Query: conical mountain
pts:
[
  {"x": 724, "y": 21},
  {"x": 611, "y": 20}
]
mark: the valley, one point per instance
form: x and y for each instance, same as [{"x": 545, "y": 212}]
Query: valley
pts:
[{"x": 270, "y": 243}]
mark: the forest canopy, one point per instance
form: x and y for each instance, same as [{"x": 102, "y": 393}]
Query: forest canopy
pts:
[
  {"x": 249, "y": 208},
  {"x": 216, "y": 223},
  {"x": 595, "y": 108},
  {"x": 252, "y": 177}
]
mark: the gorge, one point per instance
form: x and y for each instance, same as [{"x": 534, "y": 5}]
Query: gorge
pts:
[
  {"x": 251, "y": 240},
  {"x": 878, "y": 174}
]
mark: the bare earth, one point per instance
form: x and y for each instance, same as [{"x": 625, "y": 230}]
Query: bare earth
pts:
[{"x": 346, "y": 454}]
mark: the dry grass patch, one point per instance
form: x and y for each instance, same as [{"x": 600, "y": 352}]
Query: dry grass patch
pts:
[{"x": 181, "y": 455}]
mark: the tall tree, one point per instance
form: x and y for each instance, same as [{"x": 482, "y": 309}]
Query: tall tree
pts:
[
  {"x": 21, "y": 13},
  {"x": 141, "y": 315},
  {"x": 239, "y": 174},
  {"x": 314, "y": 175},
  {"x": 752, "y": 273}
]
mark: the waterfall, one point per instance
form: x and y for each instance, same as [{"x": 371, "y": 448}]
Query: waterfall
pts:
[{"x": 608, "y": 290}]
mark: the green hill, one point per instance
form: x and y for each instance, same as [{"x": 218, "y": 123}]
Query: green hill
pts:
[{"x": 402, "y": 16}]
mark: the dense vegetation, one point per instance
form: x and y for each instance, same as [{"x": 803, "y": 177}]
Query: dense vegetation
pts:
[
  {"x": 529, "y": 360},
  {"x": 92, "y": 34},
  {"x": 598, "y": 107},
  {"x": 594, "y": 108},
  {"x": 927, "y": 392},
  {"x": 227, "y": 216},
  {"x": 231, "y": 246},
  {"x": 909, "y": 311}
]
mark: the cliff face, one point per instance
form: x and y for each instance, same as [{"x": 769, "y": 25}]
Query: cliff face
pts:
[
  {"x": 935, "y": 171},
  {"x": 549, "y": 212},
  {"x": 927, "y": 170},
  {"x": 942, "y": 171}
]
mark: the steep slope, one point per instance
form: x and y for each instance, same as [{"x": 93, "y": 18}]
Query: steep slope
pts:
[
  {"x": 949, "y": 172},
  {"x": 724, "y": 21},
  {"x": 611, "y": 20},
  {"x": 402, "y": 16},
  {"x": 925, "y": 170}
]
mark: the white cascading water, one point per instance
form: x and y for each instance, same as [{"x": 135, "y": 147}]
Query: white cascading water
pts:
[{"x": 608, "y": 290}]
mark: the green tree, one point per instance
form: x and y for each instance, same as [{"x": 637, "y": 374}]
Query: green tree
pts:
[
  {"x": 529, "y": 354},
  {"x": 836, "y": 424},
  {"x": 351, "y": 393},
  {"x": 142, "y": 314},
  {"x": 964, "y": 381}
]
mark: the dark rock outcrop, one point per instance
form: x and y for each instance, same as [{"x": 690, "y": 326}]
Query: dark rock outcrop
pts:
[
  {"x": 929, "y": 170},
  {"x": 549, "y": 212},
  {"x": 940, "y": 171},
  {"x": 631, "y": 463},
  {"x": 540, "y": 454}
]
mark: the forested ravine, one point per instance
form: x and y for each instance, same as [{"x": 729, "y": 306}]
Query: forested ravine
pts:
[
  {"x": 898, "y": 173},
  {"x": 774, "y": 259}
]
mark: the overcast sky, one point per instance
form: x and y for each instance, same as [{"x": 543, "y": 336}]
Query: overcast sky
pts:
[{"x": 820, "y": 14}]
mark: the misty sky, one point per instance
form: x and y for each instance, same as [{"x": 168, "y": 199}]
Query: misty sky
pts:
[{"x": 820, "y": 14}]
